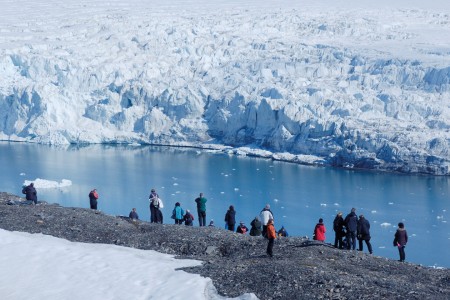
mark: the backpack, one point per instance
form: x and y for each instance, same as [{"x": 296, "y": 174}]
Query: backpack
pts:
[{"x": 155, "y": 202}]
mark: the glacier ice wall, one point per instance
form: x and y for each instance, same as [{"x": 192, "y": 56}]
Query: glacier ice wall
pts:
[{"x": 361, "y": 89}]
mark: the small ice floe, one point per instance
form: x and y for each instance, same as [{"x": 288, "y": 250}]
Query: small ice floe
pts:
[
  {"x": 336, "y": 204},
  {"x": 391, "y": 203},
  {"x": 174, "y": 178},
  {"x": 307, "y": 206},
  {"x": 226, "y": 175},
  {"x": 439, "y": 217},
  {"x": 385, "y": 224},
  {"x": 282, "y": 207},
  {"x": 323, "y": 204},
  {"x": 257, "y": 169},
  {"x": 175, "y": 183},
  {"x": 413, "y": 234},
  {"x": 198, "y": 152},
  {"x": 444, "y": 221},
  {"x": 284, "y": 217},
  {"x": 48, "y": 184},
  {"x": 222, "y": 192},
  {"x": 233, "y": 169},
  {"x": 22, "y": 174},
  {"x": 374, "y": 211},
  {"x": 275, "y": 200},
  {"x": 236, "y": 189},
  {"x": 382, "y": 247}
]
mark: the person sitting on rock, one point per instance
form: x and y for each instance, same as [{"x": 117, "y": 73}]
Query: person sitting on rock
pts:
[
  {"x": 133, "y": 215},
  {"x": 30, "y": 193},
  {"x": 188, "y": 218},
  {"x": 319, "y": 231},
  {"x": 242, "y": 228},
  {"x": 283, "y": 232},
  {"x": 211, "y": 224},
  {"x": 255, "y": 230}
]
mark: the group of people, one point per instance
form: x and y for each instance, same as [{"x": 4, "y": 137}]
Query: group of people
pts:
[{"x": 347, "y": 230}]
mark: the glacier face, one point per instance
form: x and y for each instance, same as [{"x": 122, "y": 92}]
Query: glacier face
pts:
[{"x": 363, "y": 87}]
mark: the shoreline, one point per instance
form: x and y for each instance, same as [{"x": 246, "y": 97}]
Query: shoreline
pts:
[{"x": 237, "y": 264}]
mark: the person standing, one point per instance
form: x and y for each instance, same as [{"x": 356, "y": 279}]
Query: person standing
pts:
[
  {"x": 93, "y": 197},
  {"x": 133, "y": 214},
  {"x": 255, "y": 230},
  {"x": 400, "y": 240},
  {"x": 30, "y": 193},
  {"x": 154, "y": 205},
  {"x": 265, "y": 215},
  {"x": 339, "y": 232},
  {"x": 363, "y": 231},
  {"x": 230, "y": 218},
  {"x": 271, "y": 235},
  {"x": 319, "y": 231},
  {"x": 201, "y": 209},
  {"x": 351, "y": 224},
  {"x": 178, "y": 213}
]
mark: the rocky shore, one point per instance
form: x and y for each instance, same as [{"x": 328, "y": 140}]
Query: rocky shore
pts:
[{"x": 237, "y": 264}]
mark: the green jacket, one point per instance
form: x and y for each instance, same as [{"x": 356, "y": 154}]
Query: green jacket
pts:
[{"x": 201, "y": 203}]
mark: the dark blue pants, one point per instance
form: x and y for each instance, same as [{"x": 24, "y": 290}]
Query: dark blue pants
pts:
[
  {"x": 351, "y": 240},
  {"x": 401, "y": 251},
  {"x": 202, "y": 218}
]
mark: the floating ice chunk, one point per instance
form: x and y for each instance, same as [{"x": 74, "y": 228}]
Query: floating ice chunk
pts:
[
  {"x": 284, "y": 217},
  {"x": 226, "y": 175},
  {"x": 382, "y": 247},
  {"x": 175, "y": 183},
  {"x": 391, "y": 203},
  {"x": 222, "y": 192},
  {"x": 374, "y": 211},
  {"x": 385, "y": 224},
  {"x": 275, "y": 200},
  {"x": 236, "y": 189},
  {"x": 282, "y": 207},
  {"x": 413, "y": 234},
  {"x": 22, "y": 174},
  {"x": 439, "y": 217},
  {"x": 48, "y": 184},
  {"x": 323, "y": 204},
  {"x": 336, "y": 204}
]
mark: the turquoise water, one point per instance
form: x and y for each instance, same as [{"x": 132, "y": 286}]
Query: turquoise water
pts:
[{"x": 298, "y": 195}]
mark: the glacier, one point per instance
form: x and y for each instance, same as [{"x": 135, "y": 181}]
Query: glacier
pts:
[{"x": 351, "y": 84}]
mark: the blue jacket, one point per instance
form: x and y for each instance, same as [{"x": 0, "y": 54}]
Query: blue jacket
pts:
[
  {"x": 178, "y": 212},
  {"x": 351, "y": 222}
]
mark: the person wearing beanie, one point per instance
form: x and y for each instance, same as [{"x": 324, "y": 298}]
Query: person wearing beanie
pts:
[
  {"x": 400, "y": 240},
  {"x": 319, "y": 231},
  {"x": 265, "y": 215},
  {"x": 242, "y": 228}
]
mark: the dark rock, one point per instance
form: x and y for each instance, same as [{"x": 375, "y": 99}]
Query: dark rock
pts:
[{"x": 237, "y": 264}]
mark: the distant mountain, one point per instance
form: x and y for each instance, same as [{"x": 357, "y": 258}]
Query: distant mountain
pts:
[{"x": 364, "y": 87}]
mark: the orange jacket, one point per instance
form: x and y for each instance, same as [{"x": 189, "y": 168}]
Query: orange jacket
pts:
[{"x": 271, "y": 230}]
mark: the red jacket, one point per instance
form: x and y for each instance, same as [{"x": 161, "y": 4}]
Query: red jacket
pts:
[
  {"x": 319, "y": 232},
  {"x": 271, "y": 234}
]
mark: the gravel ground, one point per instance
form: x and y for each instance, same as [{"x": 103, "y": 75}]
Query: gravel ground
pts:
[{"x": 237, "y": 264}]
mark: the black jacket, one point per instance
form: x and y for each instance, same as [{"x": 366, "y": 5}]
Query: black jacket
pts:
[
  {"x": 363, "y": 229},
  {"x": 351, "y": 222},
  {"x": 30, "y": 192},
  {"x": 230, "y": 217}
]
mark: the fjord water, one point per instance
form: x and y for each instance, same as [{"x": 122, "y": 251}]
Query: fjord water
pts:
[{"x": 298, "y": 195}]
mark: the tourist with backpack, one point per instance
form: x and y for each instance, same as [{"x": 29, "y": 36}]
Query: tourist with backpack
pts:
[
  {"x": 93, "y": 197},
  {"x": 363, "y": 233},
  {"x": 339, "y": 232},
  {"x": 178, "y": 214},
  {"x": 265, "y": 215}
]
